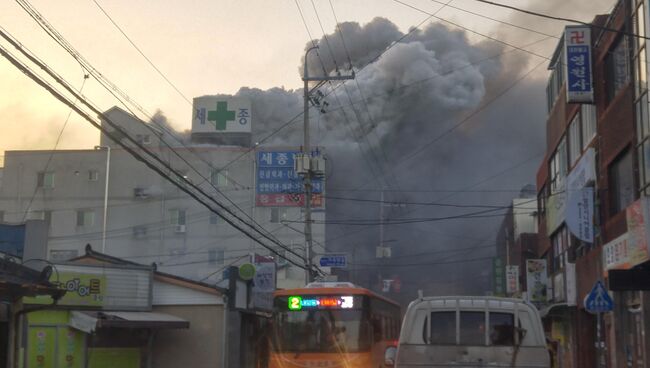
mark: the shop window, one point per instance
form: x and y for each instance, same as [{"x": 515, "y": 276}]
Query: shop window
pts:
[{"x": 621, "y": 183}]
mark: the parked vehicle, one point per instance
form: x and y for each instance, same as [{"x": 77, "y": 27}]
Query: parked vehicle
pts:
[
  {"x": 332, "y": 325},
  {"x": 470, "y": 332}
]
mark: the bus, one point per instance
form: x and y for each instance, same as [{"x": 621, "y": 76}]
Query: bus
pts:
[{"x": 332, "y": 325}]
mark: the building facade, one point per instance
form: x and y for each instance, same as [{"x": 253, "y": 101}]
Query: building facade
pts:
[
  {"x": 106, "y": 198},
  {"x": 591, "y": 197}
]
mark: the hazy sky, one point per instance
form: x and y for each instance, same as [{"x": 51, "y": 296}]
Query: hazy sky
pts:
[{"x": 204, "y": 47}]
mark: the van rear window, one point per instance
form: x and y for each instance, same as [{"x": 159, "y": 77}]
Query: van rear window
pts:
[
  {"x": 443, "y": 328},
  {"x": 472, "y": 328}
]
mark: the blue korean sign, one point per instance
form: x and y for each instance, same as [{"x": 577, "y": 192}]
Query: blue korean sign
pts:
[
  {"x": 275, "y": 174},
  {"x": 598, "y": 300},
  {"x": 334, "y": 260},
  {"x": 577, "y": 41}
]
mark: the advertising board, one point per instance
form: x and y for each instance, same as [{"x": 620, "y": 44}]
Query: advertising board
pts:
[{"x": 277, "y": 183}]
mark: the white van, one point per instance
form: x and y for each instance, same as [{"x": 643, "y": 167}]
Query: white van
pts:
[{"x": 470, "y": 332}]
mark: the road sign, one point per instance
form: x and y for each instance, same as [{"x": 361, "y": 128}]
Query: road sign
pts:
[
  {"x": 598, "y": 300},
  {"x": 334, "y": 260}
]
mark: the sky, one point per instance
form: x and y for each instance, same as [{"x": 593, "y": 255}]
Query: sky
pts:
[{"x": 203, "y": 47}]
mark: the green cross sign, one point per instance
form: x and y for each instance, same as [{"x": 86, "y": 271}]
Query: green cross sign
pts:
[{"x": 221, "y": 115}]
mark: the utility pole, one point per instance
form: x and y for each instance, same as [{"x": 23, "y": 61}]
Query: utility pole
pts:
[{"x": 307, "y": 159}]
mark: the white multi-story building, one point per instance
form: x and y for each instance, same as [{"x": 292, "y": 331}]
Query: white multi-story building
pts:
[{"x": 148, "y": 219}]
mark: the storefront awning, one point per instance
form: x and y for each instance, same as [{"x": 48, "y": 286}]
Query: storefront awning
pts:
[
  {"x": 88, "y": 321},
  {"x": 544, "y": 312},
  {"x": 141, "y": 320}
]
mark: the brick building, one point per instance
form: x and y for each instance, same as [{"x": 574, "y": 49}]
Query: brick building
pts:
[{"x": 602, "y": 146}]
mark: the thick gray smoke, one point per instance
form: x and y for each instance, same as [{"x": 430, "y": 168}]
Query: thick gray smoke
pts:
[{"x": 396, "y": 129}]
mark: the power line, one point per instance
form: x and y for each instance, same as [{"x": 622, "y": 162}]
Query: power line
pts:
[
  {"x": 142, "y": 53},
  {"x": 56, "y": 144},
  {"x": 26, "y": 70},
  {"x": 370, "y": 266},
  {"x": 562, "y": 19},
  {"x": 436, "y": 204},
  {"x": 98, "y": 76}
]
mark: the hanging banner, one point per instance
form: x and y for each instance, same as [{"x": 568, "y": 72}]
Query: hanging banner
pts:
[
  {"x": 536, "y": 280},
  {"x": 577, "y": 51},
  {"x": 580, "y": 198},
  {"x": 512, "y": 280},
  {"x": 571, "y": 285},
  {"x": 555, "y": 210},
  {"x": 580, "y": 213}
]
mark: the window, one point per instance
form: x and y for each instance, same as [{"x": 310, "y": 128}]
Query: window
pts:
[
  {"x": 45, "y": 180},
  {"x": 140, "y": 193},
  {"x": 216, "y": 256},
  {"x": 558, "y": 167},
  {"x": 541, "y": 202},
  {"x": 45, "y": 215},
  {"x": 278, "y": 215},
  {"x": 555, "y": 81},
  {"x": 214, "y": 218},
  {"x": 472, "y": 328},
  {"x": 502, "y": 329},
  {"x": 139, "y": 232},
  {"x": 560, "y": 242},
  {"x": 144, "y": 139},
  {"x": 219, "y": 178},
  {"x": 93, "y": 175},
  {"x": 589, "y": 120},
  {"x": 575, "y": 137},
  {"x": 639, "y": 60},
  {"x": 617, "y": 71},
  {"x": 621, "y": 179},
  {"x": 85, "y": 218},
  {"x": 443, "y": 328},
  {"x": 177, "y": 217}
]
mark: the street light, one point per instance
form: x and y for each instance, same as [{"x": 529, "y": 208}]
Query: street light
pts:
[{"x": 108, "y": 171}]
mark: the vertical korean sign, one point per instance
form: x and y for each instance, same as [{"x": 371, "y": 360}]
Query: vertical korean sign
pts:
[
  {"x": 536, "y": 280},
  {"x": 512, "y": 279},
  {"x": 577, "y": 51},
  {"x": 278, "y": 185}
]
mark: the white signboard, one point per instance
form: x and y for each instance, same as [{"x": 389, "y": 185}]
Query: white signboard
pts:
[
  {"x": 213, "y": 114},
  {"x": 512, "y": 279},
  {"x": 263, "y": 285},
  {"x": 580, "y": 199},
  {"x": 536, "y": 280}
]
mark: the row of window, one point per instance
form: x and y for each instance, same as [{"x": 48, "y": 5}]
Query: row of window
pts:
[
  {"x": 218, "y": 178},
  {"x": 581, "y": 132}
]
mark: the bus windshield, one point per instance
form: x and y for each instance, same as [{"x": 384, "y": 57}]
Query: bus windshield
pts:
[{"x": 331, "y": 331}]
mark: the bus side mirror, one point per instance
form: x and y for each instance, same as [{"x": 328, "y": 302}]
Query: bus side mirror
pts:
[{"x": 389, "y": 356}]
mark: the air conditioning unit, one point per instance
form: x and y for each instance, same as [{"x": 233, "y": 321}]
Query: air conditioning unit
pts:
[
  {"x": 180, "y": 229},
  {"x": 140, "y": 193}
]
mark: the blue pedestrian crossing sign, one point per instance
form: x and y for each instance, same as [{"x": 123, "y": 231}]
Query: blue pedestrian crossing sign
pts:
[{"x": 598, "y": 300}]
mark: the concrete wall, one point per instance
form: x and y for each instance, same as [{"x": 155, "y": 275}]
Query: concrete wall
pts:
[{"x": 199, "y": 346}]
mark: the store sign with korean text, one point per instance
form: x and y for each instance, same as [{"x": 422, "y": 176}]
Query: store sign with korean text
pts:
[
  {"x": 512, "y": 279},
  {"x": 214, "y": 114},
  {"x": 81, "y": 290},
  {"x": 631, "y": 248},
  {"x": 577, "y": 51},
  {"x": 278, "y": 185},
  {"x": 264, "y": 283},
  {"x": 555, "y": 210},
  {"x": 537, "y": 280}
]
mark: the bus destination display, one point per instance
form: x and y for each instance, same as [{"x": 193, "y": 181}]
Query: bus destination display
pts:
[{"x": 297, "y": 303}]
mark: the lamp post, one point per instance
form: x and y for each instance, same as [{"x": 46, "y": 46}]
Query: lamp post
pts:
[{"x": 108, "y": 171}]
